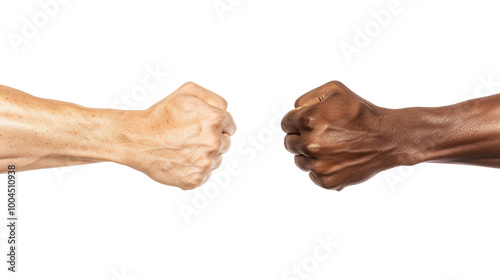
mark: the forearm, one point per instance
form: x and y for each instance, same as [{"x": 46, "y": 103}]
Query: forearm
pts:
[
  {"x": 40, "y": 133},
  {"x": 467, "y": 132},
  {"x": 343, "y": 139}
]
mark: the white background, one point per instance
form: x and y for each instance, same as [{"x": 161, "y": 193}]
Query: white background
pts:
[{"x": 106, "y": 221}]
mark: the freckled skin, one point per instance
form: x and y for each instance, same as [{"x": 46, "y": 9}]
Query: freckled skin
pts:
[
  {"x": 342, "y": 139},
  {"x": 178, "y": 141}
]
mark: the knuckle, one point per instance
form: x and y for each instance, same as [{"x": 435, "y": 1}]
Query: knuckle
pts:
[
  {"x": 288, "y": 143},
  {"x": 284, "y": 124},
  {"x": 302, "y": 163},
  {"x": 189, "y": 85},
  {"x": 216, "y": 118},
  {"x": 213, "y": 143},
  {"x": 307, "y": 121},
  {"x": 323, "y": 181},
  {"x": 331, "y": 183},
  {"x": 288, "y": 120},
  {"x": 311, "y": 149},
  {"x": 187, "y": 186},
  {"x": 205, "y": 162},
  {"x": 320, "y": 168},
  {"x": 195, "y": 180}
]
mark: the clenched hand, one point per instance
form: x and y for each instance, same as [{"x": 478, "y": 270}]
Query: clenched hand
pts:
[
  {"x": 338, "y": 137},
  {"x": 342, "y": 139},
  {"x": 182, "y": 138}
]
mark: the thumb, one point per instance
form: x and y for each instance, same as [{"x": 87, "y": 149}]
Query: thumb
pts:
[
  {"x": 202, "y": 93},
  {"x": 319, "y": 94}
]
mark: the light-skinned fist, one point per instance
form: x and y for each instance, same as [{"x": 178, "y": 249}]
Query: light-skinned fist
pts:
[{"x": 180, "y": 140}]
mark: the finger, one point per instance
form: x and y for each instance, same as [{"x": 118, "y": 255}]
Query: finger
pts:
[
  {"x": 228, "y": 126},
  {"x": 318, "y": 94},
  {"x": 293, "y": 143},
  {"x": 306, "y": 163},
  {"x": 217, "y": 162},
  {"x": 302, "y": 162},
  {"x": 226, "y": 143},
  {"x": 313, "y": 178},
  {"x": 327, "y": 182},
  {"x": 204, "y": 94},
  {"x": 289, "y": 124},
  {"x": 207, "y": 177}
]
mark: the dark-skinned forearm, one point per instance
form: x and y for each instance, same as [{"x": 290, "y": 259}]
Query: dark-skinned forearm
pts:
[{"x": 467, "y": 132}]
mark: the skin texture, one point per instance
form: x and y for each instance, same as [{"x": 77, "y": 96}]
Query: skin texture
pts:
[
  {"x": 178, "y": 141},
  {"x": 342, "y": 139}
]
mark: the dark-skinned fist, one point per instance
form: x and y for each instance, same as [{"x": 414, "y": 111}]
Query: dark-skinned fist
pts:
[{"x": 338, "y": 137}]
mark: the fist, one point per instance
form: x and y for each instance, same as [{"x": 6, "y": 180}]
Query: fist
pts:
[
  {"x": 338, "y": 137},
  {"x": 180, "y": 140}
]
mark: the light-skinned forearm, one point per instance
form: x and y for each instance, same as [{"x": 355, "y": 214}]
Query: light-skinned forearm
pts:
[
  {"x": 41, "y": 133},
  {"x": 177, "y": 141}
]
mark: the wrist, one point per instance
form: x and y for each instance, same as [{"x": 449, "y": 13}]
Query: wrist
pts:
[
  {"x": 124, "y": 136},
  {"x": 416, "y": 133},
  {"x": 103, "y": 135}
]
